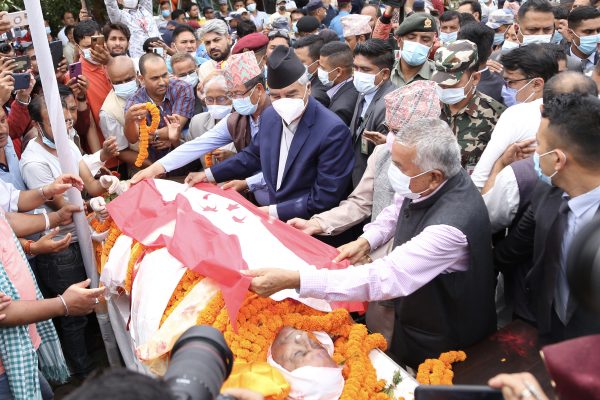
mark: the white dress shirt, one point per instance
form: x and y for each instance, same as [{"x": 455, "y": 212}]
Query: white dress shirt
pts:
[
  {"x": 111, "y": 127},
  {"x": 517, "y": 123},
  {"x": 9, "y": 197},
  {"x": 287, "y": 136},
  {"x": 502, "y": 201},
  {"x": 212, "y": 139}
]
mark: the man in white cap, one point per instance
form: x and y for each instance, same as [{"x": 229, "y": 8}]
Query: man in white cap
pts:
[
  {"x": 356, "y": 29},
  {"x": 303, "y": 149},
  {"x": 246, "y": 88}
]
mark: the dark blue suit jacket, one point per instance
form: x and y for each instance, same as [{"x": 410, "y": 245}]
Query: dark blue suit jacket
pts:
[{"x": 319, "y": 165}]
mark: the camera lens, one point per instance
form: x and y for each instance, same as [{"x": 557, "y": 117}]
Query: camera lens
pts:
[{"x": 200, "y": 362}]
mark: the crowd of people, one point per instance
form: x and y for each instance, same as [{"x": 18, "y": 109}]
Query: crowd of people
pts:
[{"x": 451, "y": 153}]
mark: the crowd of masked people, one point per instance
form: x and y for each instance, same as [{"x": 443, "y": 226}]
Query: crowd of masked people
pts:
[{"x": 451, "y": 155}]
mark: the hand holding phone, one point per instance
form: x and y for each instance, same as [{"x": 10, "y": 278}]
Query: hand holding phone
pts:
[
  {"x": 75, "y": 70},
  {"x": 56, "y": 49},
  {"x": 18, "y": 18},
  {"x": 22, "y": 64},
  {"x": 97, "y": 40},
  {"x": 22, "y": 81}
]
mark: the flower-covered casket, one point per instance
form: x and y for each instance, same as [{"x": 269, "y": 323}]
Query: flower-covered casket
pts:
[{"x": 172, "y": 259}]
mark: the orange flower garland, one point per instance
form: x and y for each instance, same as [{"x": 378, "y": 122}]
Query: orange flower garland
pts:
[
  {"x": 185, "y": 285},
  {"x": 136, "y": 251},
  {"x": 145, "y": 132},
  {"x": 260, "y": 320},
  {"x": 438, "y": 371}
]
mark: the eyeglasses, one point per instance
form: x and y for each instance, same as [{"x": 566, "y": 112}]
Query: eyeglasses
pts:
[
  {"x": 234, "y": 96},
  {"x": 509, "y": 82},
  {"x": 279, "y": 32},
  {"x": 220, "y": 100}
]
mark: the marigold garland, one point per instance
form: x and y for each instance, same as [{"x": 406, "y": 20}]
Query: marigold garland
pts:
[
  {"x": 438, "y": 371},
  {"x": 185, "y": 285},
  {"x": 136, "y": 251},
  {"x": 145, "y": 132},
  {"x": 260, "y": 319}
]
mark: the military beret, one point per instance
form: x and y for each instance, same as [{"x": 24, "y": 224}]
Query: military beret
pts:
[
  {"x": 419, "y": 22},
  {"x": 253, "y": 41},
  {"x": 452, "y": 60}
]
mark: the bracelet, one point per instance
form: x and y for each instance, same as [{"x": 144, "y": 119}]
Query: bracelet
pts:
[
  {"x": 47, "y": 219},
  {"x": 64, "y": 304},
  {"x": 44, "y": 195},
  {"x": 27, "y": 247},
  {"x": 23, "y": 102}
]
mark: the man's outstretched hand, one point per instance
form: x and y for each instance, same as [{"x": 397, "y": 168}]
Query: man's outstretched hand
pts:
[{"x": 268, "y": 281}]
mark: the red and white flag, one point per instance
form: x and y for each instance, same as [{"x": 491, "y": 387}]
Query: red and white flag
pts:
[{"x": 218, "y": 233}]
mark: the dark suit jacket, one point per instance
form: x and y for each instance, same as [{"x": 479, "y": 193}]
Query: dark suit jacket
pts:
[
  {"x": 531, "y": 241},
  {"x": 344, "y": 102},
  {"x": 318, "y": 168},
  {"x": 318, "y": 91},
  {"x": 373, "y": 121}
]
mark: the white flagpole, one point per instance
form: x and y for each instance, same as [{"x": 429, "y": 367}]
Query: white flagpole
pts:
[{"x": 59, "y": 129}]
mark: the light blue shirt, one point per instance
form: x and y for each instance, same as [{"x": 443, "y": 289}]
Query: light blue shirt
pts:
[
  {"x": 13, "y": 176},
  {"x": 368, "y": 99},
  {"x": 214, "y": 138},
  {"x": 582, "y": 210},
  {"x": 336, "y": 24}
]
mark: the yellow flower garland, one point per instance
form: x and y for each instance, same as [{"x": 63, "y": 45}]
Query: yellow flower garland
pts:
[
  {"x": 145, "y": 132},
  {"x": 438, "y": 371}
]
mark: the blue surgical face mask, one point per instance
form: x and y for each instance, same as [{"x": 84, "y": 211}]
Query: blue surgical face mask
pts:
[
  {"x": 165, "y": 13},
  {"x": 414, "y": 53},
  {"x": 538, "y": 169},
  {"x": 448, "y": 37},
  {"x": 244, "y": 105},
  {"x": 48, "y": 30},
  {"x": 512, "y": 94},
  {"x": 588, "y": 44},
  {"x": 498, "y": 39},
  {"x": 45, "y": 139},
  {"x": 126, "y": 90},
  {"x": 557, "y": 37}
]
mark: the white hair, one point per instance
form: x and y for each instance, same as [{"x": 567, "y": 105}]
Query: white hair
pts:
[
  {"x": 214, "y": 79},
  {"x": 214, "y": 25},
  {"x": 435, "y": 144}
]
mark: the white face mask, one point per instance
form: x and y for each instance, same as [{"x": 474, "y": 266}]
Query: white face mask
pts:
[
  {"x": 218, "y": 112},
  {"x": 324, "y": 77},
  {"x": 130, "y": 3},
  {"x": 365, "y": 83},
  {"x": 290, "y": 109},
  {"x": 508, "y": 46},
  {"x": 313, "y": 383},
  {"x": 126, "y": 90},
  {"x": 401, "y": 183},
  {"x": 451, "y": 96},
  {"x": 251, "y": 7},
  {"x": 528, "y": 39},
  {"x": 191, "y": 79},
  {"x": 87, "y": 54}
]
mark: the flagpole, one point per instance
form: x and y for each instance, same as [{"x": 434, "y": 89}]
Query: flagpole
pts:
[{"x": 59, "y": 130}]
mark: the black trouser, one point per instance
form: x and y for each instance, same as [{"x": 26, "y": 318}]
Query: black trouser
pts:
[{"x": 57, "y": 272}]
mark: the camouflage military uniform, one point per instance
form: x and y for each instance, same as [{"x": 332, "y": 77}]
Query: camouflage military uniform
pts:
[
  {"x": 474, "y": 123},
  {"x": 473, "y": 126}
]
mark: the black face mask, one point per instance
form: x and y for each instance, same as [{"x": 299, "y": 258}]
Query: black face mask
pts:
[{"x": 281, "y": 8}]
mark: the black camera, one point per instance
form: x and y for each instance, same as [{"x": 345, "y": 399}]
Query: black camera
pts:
[{"x": 200, "y": 362}]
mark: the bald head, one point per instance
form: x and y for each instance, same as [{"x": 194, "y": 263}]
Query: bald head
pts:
[
  {"x": 151, "y": 60},
  {"x": 569, "y": 82},
  {"x": 120, "y": 68}
]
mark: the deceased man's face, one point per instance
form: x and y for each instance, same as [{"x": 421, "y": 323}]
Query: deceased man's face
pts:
[{"x": 293, "y": 349}]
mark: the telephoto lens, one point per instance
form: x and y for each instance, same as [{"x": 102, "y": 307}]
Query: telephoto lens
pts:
[{"x": 200, "y": 362}]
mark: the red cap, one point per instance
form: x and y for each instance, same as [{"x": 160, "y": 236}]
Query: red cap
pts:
[{"x": 252, "y": 42}]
